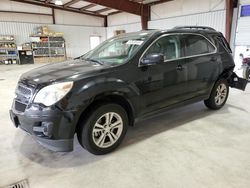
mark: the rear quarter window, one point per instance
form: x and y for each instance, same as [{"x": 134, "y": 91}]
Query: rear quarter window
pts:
[
  {"x": 221, "y": 43},
  {"x": 224, "y": 43},
  {"x": 197, "y": 45}
]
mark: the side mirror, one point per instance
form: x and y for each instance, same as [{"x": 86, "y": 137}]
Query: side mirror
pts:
[{"x": 152, "y": 59}]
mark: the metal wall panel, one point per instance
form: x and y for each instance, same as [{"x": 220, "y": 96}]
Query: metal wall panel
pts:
[
  {"x": 215, "y": 19},
  {"x": 243, "y": 32},
  {"x": 77, "y": 37},
  {"x": 185, "y": 7},
  {"x": 70, "y": 18},
  {"x": 130, "y": 27},
  {"x": 27, "y": 18},
  {"x": 242, "y": 37},
  {"x": 21, "y": 31}
]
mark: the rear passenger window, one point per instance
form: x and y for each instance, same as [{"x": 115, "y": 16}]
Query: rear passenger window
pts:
[{"x": 197, "y": 45}]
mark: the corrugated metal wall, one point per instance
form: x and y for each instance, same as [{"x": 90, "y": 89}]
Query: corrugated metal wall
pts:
[
  {"x": 76, "y": 37},
  {"x": 21, "y": 31},
  {"x": 130, "y": 27},
  {"x": 242, "y": 37},
  {"x": 215, "y": 19},
  {"x": 243, "y": 32}
]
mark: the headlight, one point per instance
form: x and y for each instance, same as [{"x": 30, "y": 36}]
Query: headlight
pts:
[{"x": 51, "y": 94}]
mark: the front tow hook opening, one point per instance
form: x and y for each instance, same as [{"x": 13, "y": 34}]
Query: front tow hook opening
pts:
[{"x": 45, "y": 130}]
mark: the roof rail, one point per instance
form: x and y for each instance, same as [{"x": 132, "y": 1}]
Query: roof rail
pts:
[{"x": 195, "y": 27}]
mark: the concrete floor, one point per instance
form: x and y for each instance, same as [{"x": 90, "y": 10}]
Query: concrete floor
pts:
[{"x": 186, "y": 147}]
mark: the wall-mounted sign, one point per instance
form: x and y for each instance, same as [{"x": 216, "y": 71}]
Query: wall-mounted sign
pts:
[{"x": 245, "y": 10}]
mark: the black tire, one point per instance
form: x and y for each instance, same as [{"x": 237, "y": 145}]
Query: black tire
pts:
[
  {"x": 87, "y": 138},
  {"x": 211, "y": 102},
  {"x": 246, "y": 73}
]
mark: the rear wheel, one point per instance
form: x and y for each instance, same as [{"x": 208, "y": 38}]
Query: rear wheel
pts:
[
  {"x": 104, "y": 129},
  {"x": 218, "y": 96}
]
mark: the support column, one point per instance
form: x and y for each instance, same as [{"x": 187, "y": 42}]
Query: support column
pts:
[
  {"x": 106, "y": 21},
  {"x": 145, "y": 16},
  {"x": 229, "y": 18},
  {"x": 53, "y": 16}
]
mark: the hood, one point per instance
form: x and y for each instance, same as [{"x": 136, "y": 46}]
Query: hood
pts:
[{"x": 67, "y": 71}]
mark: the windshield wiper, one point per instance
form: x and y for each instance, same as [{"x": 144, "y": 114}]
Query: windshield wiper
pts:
[{"x": 95, "y": 60}]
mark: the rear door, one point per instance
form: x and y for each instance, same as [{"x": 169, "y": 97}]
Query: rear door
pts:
[{"x": 202, "y": 64}]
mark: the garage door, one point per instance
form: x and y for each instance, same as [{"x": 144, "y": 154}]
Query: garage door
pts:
[{"x": 243, "y": 26}]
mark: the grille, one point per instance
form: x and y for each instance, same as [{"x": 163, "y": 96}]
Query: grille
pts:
[
  {"x": 24, "y": 91},
  {"x": 20, "y": 106},
  {"x": 23, "y": 97},
  {"x": 23, "y": 94},
  {"x": 20, "y": 184}
]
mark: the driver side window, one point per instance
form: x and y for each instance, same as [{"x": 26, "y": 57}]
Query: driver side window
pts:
[{"x": 168, "y": 46}]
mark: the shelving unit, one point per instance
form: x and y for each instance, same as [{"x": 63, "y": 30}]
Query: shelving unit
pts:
[
  {"x": 8, "y": 50},
  {"x": 48, "y": 48}
]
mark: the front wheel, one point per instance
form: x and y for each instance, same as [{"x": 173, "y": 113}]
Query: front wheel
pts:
[
  {"x": 104, "y": 129},
  {"x": 218, "y": 96}
]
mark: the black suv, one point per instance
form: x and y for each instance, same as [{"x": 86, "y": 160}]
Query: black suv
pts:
[{"x": 124, "y": 79}]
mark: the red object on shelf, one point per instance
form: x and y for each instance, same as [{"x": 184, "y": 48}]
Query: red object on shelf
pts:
[
  {"x": 44, "y": 39},
  {"x": 246, "y": 60}
]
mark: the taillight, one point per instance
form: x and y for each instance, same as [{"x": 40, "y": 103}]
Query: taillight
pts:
[{"x": 246, "y": 60}]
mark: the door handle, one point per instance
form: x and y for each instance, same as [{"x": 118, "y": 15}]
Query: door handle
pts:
[{"x": 179, "y": 68}]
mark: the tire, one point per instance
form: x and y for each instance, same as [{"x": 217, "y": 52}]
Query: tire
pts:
[
  {"x": 219, "y": 95},
  {"x": 246, "y": 72},
  {"x": 96, "y": 133}
]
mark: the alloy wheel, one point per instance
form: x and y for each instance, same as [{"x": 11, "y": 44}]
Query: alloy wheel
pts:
[
  {"x": 221, "y": 94},
  {"x": 107, "y": 130}
]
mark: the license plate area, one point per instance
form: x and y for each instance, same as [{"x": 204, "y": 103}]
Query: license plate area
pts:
[{"x": 237, "y": 82}]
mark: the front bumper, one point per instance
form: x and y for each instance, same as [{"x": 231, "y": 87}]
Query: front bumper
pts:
[{"x": 51, "y": 127}]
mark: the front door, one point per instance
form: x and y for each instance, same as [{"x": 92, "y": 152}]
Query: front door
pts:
[{"x": 163, "y": 84}]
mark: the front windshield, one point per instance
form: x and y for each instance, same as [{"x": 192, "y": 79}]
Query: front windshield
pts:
[{"x": 117, "y": 50}]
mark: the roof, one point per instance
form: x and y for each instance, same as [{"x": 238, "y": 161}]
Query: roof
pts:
[
  {"x": 191, "y": 29},
  {"x": 186, "y": 29}
]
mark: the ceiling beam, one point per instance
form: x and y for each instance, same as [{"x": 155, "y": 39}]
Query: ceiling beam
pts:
[
  {"x": 70, "y": 3},
  {"x": 123, "y": 5},
  {"x": 87, "y": 7},
  {"x": 138, "y": 1},
  {"x": 103, "y": 10},
  {"x": 128, "y": 6},
  {"x": 48, "y": 1},
  {"x": 158, "y": 2},
  {"x": 116, "y": 12},
  {"x": 51, "y": 5}
]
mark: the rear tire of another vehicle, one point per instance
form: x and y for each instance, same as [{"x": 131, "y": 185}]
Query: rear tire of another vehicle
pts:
[
  {"x": 104, "y": 128},
  {"x": 219, "y": 95},
  {"x": 246, "y": 73}
]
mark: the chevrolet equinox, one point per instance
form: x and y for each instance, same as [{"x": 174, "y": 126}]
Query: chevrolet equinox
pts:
[{"x": 124, "y": 79}]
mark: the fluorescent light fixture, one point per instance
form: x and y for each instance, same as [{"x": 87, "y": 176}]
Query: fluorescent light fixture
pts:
[{"x": 58, "y": 2}]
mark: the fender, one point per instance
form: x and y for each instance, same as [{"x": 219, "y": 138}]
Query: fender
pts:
[{"x": 91, "y": 90}]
